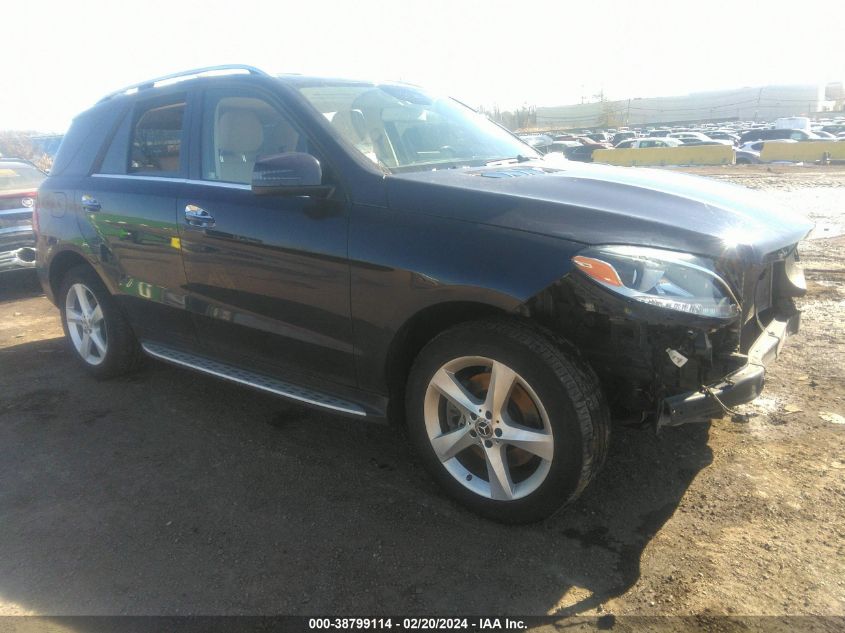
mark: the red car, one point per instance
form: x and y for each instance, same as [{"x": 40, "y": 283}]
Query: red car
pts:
[{"x": 19, "y": 181}]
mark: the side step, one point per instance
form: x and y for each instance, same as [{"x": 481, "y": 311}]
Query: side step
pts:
[{"x": 251, "y": 379}]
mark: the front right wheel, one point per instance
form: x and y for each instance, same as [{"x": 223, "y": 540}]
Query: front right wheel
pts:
[{"x": 507, "y": 419}]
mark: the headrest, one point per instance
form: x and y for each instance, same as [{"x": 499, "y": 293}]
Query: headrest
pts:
[
  {"x": 351, "y": 125},
  {"x": 240, "y": 131}
]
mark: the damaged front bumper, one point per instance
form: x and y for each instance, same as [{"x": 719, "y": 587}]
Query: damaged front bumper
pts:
[{"x": 738, "y": 387}]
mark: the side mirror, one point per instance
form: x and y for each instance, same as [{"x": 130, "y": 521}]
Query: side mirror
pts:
[{"x": 289, "y": 174}]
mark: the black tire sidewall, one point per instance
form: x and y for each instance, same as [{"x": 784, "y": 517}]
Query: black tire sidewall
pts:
[{"x": 566, "y": 471}]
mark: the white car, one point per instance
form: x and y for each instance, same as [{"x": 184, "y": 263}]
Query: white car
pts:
[
  {"x": 636, "y": 143},
  {"x": 757, "y": 146},
  {"x": 692, "y": 138}
]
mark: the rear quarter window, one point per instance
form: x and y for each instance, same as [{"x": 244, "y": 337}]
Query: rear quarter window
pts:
[
  {"x": 116, "y": 157},
  {"x": 81, "y": 146}
]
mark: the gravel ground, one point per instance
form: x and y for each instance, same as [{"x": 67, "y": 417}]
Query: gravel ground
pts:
[{"x": 172, "y": 493}]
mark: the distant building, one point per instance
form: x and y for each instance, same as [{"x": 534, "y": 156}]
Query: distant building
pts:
[{"x": 764, "y": 103}]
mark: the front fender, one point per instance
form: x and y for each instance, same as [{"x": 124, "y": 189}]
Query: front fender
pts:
[{"x": 403, "y": 263}]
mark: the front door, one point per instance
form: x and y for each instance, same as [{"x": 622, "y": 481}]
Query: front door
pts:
[{"x": 268, "y": 277}]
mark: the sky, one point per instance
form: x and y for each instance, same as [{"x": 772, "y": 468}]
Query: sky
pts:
[{"x": 64, "y": 55}]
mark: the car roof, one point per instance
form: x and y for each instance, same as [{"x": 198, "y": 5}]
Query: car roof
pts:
[{"x": 228, "y": 71}]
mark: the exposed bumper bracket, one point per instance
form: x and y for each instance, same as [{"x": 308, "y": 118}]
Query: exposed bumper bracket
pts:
[{"x": 739, "y": 387}]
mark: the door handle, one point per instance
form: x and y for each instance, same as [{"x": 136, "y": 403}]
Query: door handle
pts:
[
  {"x": 197, "y": 216},
  {"x": 89, "y": 203}
]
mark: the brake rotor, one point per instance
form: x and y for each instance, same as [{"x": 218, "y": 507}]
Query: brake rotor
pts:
[{"x": 520, "y": 408}]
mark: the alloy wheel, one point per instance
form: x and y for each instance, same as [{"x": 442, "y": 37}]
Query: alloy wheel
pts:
[
  {"x": 85, "y": 324},
  {"x": 488, "y": 428}
]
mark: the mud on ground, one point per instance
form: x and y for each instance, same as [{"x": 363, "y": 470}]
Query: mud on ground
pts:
[{"x": 168, "y": 492}]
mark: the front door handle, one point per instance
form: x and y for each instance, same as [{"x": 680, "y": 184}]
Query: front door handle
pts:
[
  {"x": 89, "y": 203},
  {"x": 197, "y": 216}
]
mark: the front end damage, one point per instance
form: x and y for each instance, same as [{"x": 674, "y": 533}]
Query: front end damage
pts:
[{"x": 669, "y": 368}]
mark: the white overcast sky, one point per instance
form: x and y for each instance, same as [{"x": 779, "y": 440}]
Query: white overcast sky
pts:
[{"x": 63, "y": 55}]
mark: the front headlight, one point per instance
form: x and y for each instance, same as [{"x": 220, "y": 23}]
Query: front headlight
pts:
[{"x": 666, "y": 279}]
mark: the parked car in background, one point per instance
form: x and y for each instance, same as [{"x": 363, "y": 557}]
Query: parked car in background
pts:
[
  {"x": 792, "y": 123},
  {"x": 697, "y": 138},
  {"x": 638, "y": 143},
  {"x": 747, "y": 157},
  {"x": 724, "y": 135},
  {"x": 19, "y": 182},
  {"x": 623, "y": 136},
  {"x": 777, "y": 134},
  {"x": 757, "y": 146},
  {"x": 378, "y": 252},
  {"x": 834, "y": 129},
  {"x": 601, "y": 137},
  {"x": 562, "y": 147},
  {"x": 540, "y": 142},
  {"x": 581, "y": 152}
]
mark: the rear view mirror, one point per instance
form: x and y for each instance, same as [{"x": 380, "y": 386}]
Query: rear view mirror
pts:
[{"x": 289, "y": 174}]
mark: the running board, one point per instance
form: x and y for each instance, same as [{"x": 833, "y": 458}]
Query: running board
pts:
[{"x": 251, "y": 379}]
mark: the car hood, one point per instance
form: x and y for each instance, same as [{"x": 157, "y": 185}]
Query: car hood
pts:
[{"x": 601, "y": 204}]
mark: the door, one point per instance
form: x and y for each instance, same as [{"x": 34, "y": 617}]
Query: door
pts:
[
  {"x": 130, "y": 207},
  {"x": 268, "y": 276}
]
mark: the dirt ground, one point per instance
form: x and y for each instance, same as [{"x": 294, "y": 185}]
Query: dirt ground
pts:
[{"x": 172, "y": 493}]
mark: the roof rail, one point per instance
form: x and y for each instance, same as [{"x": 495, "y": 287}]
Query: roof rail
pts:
[{"x": 185, "y": 74}]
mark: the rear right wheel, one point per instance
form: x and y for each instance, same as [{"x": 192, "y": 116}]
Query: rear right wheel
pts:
[{"x": 98, "y": 332}]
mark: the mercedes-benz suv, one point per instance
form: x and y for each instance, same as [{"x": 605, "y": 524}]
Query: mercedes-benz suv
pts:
[{"x": 383, "y": 253}]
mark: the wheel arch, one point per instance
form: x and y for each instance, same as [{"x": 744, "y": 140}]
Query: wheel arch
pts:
[
  {"x": 62, "y": 262},
  {"x": 416, "y": 332}
]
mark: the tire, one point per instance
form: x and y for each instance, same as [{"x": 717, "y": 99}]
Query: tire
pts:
[
  {"x": 99, "y": 335},
  {"x": 516, "y": 462}
]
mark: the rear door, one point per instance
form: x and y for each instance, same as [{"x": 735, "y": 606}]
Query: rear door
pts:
[
  {"x": 268, "y": 277},
  {"x": 130, "y": 207}
]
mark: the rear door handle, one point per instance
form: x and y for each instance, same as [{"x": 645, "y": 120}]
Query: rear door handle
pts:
[
  {"x": 197, "y": 216},
  {"x": 89, "y": 203}
]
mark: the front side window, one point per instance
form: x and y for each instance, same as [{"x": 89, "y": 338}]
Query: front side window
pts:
[
  {"x": 239, "y": 129},
  {"x": 402, "y": 128},
  {"x": 157, "y": 140}
]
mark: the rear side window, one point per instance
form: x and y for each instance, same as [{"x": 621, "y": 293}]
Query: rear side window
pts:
[{"x": 156, "y": 145}]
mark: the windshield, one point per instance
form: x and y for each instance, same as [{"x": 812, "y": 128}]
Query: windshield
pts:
[
  {"x": 402, "y": 128},
  {"x": 14, "y": 176}
]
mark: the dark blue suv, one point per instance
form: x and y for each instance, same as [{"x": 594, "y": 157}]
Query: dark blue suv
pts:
[{"x": 383, "y": 253}]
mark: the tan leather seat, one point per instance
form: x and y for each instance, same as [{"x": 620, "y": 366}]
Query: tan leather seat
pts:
[{"x": 239, "y": 137}]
